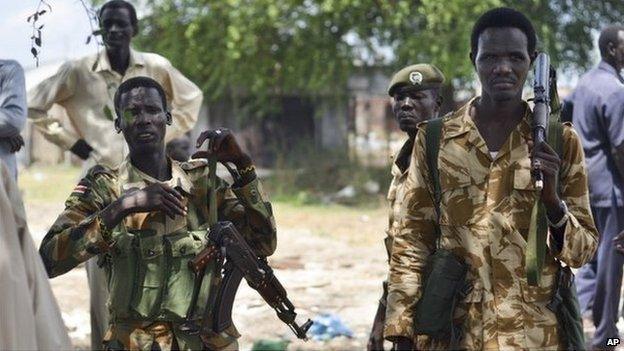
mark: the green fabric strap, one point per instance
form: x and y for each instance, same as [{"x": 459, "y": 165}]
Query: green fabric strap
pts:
[
  {"x": 432, "y": 144},
  {"x": 212, "y": 191},
  {"x": 538, "y": 228}
]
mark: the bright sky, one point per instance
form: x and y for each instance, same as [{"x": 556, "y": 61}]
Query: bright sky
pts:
[{"x": 63, "y": 36}]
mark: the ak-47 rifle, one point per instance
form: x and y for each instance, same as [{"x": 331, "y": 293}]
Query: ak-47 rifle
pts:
[{"x": 241, "y": 262}]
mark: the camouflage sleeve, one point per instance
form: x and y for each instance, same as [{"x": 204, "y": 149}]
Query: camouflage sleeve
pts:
[
  {"x": 580, "y": 237},
  {"x": 249, "y": 209},
  {"x": 392, "y": 190},
  {"x": 413, "y": 243},
  {"x": 78, "y": 234}
]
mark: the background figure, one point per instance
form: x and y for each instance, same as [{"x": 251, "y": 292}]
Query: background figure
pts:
[
  {"x": 85, "y": 88},
  {"x": 416, "y": 98},
  {"x": 30, "y": 318},
  {"x": 179, "y": 149},
  {"x": 12, "y": 112},
  {"x": 598, "y": 115}
]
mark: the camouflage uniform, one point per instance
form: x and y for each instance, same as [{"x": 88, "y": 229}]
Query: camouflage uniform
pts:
[
  {"x": 147, "y": 304},
  {"x": 485, "y": 214},
  {"x": 396, "y": 191}
]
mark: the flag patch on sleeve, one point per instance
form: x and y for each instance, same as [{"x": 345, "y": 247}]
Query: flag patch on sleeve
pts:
[{"x": 82, "y": 188}]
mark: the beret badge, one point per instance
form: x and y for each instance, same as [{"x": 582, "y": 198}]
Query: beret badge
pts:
[{"x": 415, "y": 77}]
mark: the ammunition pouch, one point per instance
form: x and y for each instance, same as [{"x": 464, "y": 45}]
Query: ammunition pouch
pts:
[
  {"x": 149, "y": 278},
  {"x": 444, "y": 285},
  {"x": 564, "y": 305}
]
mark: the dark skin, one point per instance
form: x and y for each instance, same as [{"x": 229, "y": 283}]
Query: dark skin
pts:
[
  {"x": 117, "y": 33},
  {"x": 502, "y": 62},
  {"x": 15, "y": 141},
  {"x": 143, "y": 124},
  {"x": 410, "y": 106}
]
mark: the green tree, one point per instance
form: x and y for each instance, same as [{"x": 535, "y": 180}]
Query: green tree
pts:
[{"x": 253, "y": 50}]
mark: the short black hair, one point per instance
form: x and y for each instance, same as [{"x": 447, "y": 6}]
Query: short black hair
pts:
[
  {"x": 113, "y": 4},
  {"x": 608, "y": 35},
  {"x": 136, "y": 82},
  {"x": 503, "y": 17}
]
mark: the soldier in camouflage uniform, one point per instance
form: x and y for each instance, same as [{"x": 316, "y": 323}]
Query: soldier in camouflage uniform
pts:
[
  {"x": 416, "y": 98},
  {"x": 147, "y": 218},
  {"x": 485, "y": 160}
]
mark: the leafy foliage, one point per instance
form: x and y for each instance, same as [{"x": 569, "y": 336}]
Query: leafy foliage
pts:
[{"x": 263, "y": 48}]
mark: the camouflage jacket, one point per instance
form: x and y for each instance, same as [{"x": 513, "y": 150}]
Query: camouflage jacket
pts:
[
  {"x": 79, "y": 234},
  {"x": 485, "y": 214},
  {"x": 396, "y": 192}
]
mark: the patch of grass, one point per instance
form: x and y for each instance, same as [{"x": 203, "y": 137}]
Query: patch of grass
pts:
[
  {"x": 48, "y": 184},
  {"x": 359, "y": 226}
]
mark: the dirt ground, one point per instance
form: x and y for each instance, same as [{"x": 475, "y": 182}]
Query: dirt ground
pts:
[{"x": 329, "y": 258}]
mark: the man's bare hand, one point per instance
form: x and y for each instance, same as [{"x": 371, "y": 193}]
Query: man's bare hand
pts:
[
  {"x": 618, "y": 242},
  {"x": 154, "y": 197},
  {"x": 16, "y": 142},
  {"x": 224, "y": 145}
]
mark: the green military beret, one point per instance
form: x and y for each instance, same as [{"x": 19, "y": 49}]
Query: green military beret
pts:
[{"x": 422, "y": 75}]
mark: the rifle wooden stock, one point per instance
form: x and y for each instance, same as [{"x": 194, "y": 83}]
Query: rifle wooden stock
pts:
[{"x": 200, "y": 261}]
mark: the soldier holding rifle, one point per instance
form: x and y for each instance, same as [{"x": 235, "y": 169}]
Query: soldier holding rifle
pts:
[
  {"x": 468, "y": 212},
  {"x": 147, "y": 219}
]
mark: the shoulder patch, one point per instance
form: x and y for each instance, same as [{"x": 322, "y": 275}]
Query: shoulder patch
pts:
[
  {"x": 193, "y": 164},
  {"x": 98, "y": 170}
]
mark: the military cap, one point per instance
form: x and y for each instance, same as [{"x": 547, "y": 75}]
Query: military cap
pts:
[{"x": 422, "y": 75}]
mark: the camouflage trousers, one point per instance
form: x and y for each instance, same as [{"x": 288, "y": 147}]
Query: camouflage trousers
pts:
[{"x": 154, "y": 336}]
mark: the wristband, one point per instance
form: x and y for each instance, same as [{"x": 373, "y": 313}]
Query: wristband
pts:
[
  {"x": 81, "y": 149},
  {"x": 563, "y": 219}
]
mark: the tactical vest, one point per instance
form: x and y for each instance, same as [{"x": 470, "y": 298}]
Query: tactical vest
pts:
[
  {"x": 149, "y": 278},
  {"x": 148, "y": 274}
]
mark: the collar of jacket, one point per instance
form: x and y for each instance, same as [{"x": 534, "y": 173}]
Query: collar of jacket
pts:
[
  {"x": 603, "y": 65},
  {"x": 103, "y": 63},
  {"x": 132, "y": 177},
  {"x": 460, "y": 123}
]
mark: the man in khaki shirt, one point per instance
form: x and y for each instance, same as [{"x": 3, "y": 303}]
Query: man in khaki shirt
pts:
[
  {"x": 85, "y": 88},
  {"x": 416, "y": 98}
]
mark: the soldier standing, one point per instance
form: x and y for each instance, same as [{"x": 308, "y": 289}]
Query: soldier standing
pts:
[
  {"x": 416, "y": 98},
  {"x": 485, "y": 161},
  {"x": 146, "y": 218},
  {"x": 85, "y": 88}
]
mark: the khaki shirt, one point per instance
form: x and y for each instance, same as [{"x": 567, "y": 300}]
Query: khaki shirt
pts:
[
  {"x": 86, "y": 88},
  {"x": 396, "y": 191},
  {"x": 485, "y": 213}
]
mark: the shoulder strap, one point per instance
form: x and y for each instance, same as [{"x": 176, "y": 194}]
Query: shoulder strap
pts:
[
  {"x": 432, "y": 144},
  {"x": 538, "y": 230}
]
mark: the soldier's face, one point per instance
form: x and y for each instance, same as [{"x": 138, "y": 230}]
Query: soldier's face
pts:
[
  {"x": 117, "y": 27},
  {"x": 502, "y": 62},
  {"x": 144, "y": 120},
  {"x": 412, "y": 106}
]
